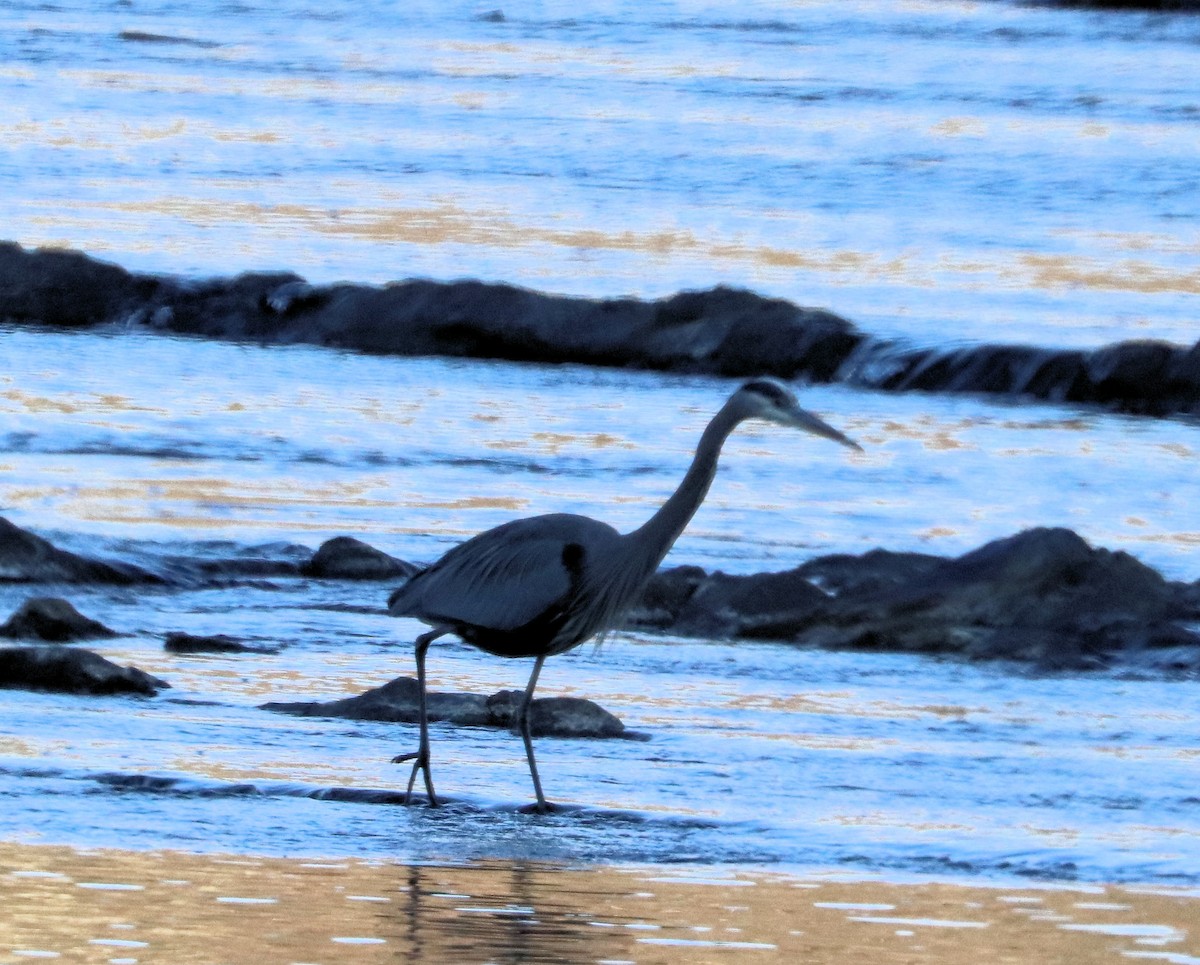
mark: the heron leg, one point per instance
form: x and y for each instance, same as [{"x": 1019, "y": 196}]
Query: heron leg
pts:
[
  {"x": 421, "y": 758},
  {"x": 523, "y": 720}
]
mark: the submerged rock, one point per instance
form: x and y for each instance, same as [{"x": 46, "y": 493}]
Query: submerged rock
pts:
[
  {"x": 71, "y": 671},
  {"x": 53, "y": 620},
  {"x": 179, "y": 642},
  {"x": 399, "y": 701},
  {"x": 26, "y": 558},
  {"x": 346, "y": 558}
]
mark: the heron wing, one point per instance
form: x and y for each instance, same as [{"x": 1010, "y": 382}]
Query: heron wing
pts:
[{"x": 507, "y": 577}]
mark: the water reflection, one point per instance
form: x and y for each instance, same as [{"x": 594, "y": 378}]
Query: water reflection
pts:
[
  {"x": 163, "y": 906},
  {"x": 511, "y": 917}
]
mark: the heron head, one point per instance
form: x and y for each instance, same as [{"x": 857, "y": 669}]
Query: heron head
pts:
[{"x": 775, "y": 402}]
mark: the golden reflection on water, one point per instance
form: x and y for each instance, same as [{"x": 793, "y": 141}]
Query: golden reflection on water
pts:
[
  {"x": 451, "y": 220},
  {"x": 131, "y": 907},
  {"x": 1060, "y": 271}
]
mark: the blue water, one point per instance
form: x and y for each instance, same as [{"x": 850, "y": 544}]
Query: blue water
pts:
[
  {"x": 945, "y": 172},
  {"x": 759, "y": 753},
  {"x": 940, "y": 170}
]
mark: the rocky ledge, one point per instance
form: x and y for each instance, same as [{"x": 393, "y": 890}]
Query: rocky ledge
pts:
[
  {"x": 721, "y": 331},
  {"x": 398, "y": 700},
  {"x": 26, "y": 558},
  {"x": 1043, "y": 597},
  {"x": 71, "y": 671},
  {"x": 52, "y": 620}
]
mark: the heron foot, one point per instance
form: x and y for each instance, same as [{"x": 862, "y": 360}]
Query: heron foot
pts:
[
  {"x": 542, "y": 807},
  {"x": 420, "y": 761}
]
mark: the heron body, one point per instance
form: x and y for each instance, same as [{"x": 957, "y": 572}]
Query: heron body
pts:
[{"x": 543, "y": 585}]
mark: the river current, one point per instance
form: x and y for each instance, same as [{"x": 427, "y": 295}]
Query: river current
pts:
[{"x": 944, "y": 172}]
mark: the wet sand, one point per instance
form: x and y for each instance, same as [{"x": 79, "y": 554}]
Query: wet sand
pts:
[{"x": 136, "y": 907}]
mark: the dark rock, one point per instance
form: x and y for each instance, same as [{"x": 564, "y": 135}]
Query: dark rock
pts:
[
  {"x": 140, "y": 36},
  {"x": 1133, "y": 375},
  {"x": 239, "y": 307},
  {"x": 396, "y": 701},
  {"x": 688, "y": 601},
  {"x": 722, "y": 331},
  {"x": 179, "y": 642},
  {"x": 1140, "y": 377},
  {"x": 399, "y": 701},
  {"x": 1041, "y": 595},
  {"x": 872, "y": 572},
  {"x": 66, "y": 288},
  {"x": 53, "y": 620},
  {"x": 346, "y": 558},
  {"x": 1056, "y": 376},
  {"x": 72, "y": 671},
  {"x": 555, "y": 716},
  {"x": 294, "y": 296},
  {"x": 26, "y": 558},
  {"x": 664, "y": 596},
  {"x": 757, "y": 605}
]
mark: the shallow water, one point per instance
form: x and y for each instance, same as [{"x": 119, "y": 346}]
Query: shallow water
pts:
[
  {"x": 150, "y": 449},
  {"x": 942, "y": 170},
  {"x": 180, "y": 441},
  {"x": 171, "y": 907}
]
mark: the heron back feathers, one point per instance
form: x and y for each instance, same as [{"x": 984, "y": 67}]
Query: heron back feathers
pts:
[{"x": 511, "y": 585}]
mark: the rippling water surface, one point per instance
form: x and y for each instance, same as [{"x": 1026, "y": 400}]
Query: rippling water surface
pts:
[
  {"x": 944, "y": 171},
  {"x": 759, "y": 753},
  {"x": 938, "y": 169}
]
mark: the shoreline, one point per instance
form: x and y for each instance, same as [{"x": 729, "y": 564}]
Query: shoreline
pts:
[{"x": 92, "y": 905}]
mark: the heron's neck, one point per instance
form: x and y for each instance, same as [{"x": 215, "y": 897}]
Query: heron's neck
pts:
[{"x": 652, "y": 541}]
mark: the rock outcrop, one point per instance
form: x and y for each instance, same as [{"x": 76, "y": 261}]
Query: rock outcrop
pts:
[
  {"x": 347, "y": 558},
  {"x": 188, "y": 643},
  {"x": 1042, "y": 596},
  {"x": 26, "y": 558},
  {"x": 72, "y": 671},
  {"x": 52, "y": 620},
  {"x": 722, "y": 331},
  {"x": 398, "y": 701}
]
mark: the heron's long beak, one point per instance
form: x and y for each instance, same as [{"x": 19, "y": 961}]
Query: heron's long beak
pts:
[{"x": 799, "y": 418}]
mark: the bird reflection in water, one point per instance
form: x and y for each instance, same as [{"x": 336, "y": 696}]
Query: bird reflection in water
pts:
[{"x": 513, "y": 916}]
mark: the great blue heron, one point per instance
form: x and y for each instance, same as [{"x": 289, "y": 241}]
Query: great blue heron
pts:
[{"x": 540, "y": 586}]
